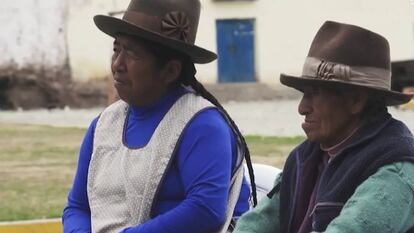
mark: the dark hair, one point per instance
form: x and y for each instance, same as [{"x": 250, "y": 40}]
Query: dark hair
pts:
[
  {"x": 375, "y": 106},
  {"x": 187, "y": 78}
]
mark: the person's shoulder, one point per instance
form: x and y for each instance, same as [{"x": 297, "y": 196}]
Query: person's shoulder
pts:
[
  {"x": 209, "y": 118},
  {"x": 116, "y": 106},
  {"x": 94, "y": 122},
  {"x": 403, "y": 170},
  {"x": 207, "y": 123},
  {"x": 303, "y": 148},
  {"x": 403, "y": 167}
]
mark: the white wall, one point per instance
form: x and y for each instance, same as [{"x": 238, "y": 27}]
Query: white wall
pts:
[
  {"x": 33, "y": 35},
  {"x": 284, "y": 31},
  {"x": 89, "y": 48}
]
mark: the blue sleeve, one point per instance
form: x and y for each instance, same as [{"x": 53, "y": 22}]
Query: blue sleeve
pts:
[
  {"x": 204, "y": 159},
  {"x": 76, "y": 215}
]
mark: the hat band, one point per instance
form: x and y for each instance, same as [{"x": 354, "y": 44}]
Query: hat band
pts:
[
  {"x": 149, "y": 22},
  {"x": 174, "y": 25},
  {"x": 357, "y": 75}
]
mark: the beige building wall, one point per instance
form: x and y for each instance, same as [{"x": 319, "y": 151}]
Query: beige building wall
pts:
[
  {"x": 89, "y": 49},
  {"x": 283, "y": 31}
]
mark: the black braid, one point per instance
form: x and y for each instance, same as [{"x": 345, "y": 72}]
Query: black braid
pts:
[{"x": 188, "y": 79}]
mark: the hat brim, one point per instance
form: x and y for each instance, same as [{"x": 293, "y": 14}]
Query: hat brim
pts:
[
  {"x": 113, "y": 26},
  {"x": 392, "y": 98}
]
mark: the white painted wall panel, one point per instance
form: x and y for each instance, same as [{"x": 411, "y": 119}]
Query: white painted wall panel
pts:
[
  {"x": 33, "y": 34},
  {"x": 284, "y": 30}
]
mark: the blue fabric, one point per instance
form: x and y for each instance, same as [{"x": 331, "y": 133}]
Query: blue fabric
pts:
[{"x": 194, "y": 193}]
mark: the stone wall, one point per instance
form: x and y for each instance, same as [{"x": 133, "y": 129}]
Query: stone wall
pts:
[{"x": 34, "y": 62}]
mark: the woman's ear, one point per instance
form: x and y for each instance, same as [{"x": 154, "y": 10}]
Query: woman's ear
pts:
[{"x": 172, "y": 71}]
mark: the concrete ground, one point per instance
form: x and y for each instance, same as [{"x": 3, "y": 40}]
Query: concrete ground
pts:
[
  {"x": 248, "y": 92},
  {"x": 265, "y": 117}
]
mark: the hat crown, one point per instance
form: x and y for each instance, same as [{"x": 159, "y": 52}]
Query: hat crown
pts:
[
  {"x": 350, "y": 45},
  {"x": 347, "y": 55},
  {"x": 177, "y": 19},
  {"x": 170, "y": 23}
]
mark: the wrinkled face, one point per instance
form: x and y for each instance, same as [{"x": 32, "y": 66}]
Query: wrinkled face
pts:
[
  {"x": 137, "y": 79},
  {"x": 329, "y": 116}
]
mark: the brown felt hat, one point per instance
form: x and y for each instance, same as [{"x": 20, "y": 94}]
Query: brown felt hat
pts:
[
  {"x": 172, "y": 23},
  {"x": 348, "y": 55}
]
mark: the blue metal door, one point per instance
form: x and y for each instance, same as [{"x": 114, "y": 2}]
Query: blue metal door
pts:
[{"x": 235, "y": 46}]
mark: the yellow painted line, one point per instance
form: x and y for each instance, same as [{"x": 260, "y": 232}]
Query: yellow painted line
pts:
[
  {"x": 409, "y": 105},
  {"x": 32, "y": 226}
]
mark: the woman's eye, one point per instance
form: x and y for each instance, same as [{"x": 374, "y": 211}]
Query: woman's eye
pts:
[{"x": 132, "y": 54}]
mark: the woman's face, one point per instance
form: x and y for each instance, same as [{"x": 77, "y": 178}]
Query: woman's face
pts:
[
  {"x": 137, "y": 79},
  {"x": 329, "y": 117}
]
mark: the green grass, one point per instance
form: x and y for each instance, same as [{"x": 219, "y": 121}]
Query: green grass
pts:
[
  {"x": 271, "y": 150},
  {"x": 37, "y": 164}
]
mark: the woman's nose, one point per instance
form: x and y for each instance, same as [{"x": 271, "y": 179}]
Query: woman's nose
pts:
[{"x": 118, "y": 62}]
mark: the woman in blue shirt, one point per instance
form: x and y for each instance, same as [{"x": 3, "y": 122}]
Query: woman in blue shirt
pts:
[{"x": 166, "y": 157}]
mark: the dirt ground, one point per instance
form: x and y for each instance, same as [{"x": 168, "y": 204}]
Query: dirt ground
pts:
[
  {"x": 267, "y": 117},
  {"x": 29, "y": 91},
  {"x": 258, "y": 109}
]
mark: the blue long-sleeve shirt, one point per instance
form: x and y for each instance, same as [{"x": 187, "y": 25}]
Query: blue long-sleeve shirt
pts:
[{"x": 193, "y": 196}]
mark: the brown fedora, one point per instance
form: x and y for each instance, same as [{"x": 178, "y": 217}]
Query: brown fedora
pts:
[
  {"x": 172, "y": 23},
  {"x": 343, "y": 54}
]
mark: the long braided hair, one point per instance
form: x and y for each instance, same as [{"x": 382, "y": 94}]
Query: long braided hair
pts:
[
  {"x": 187, "y": 78},
  {"x": 190, "y": 80}
]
